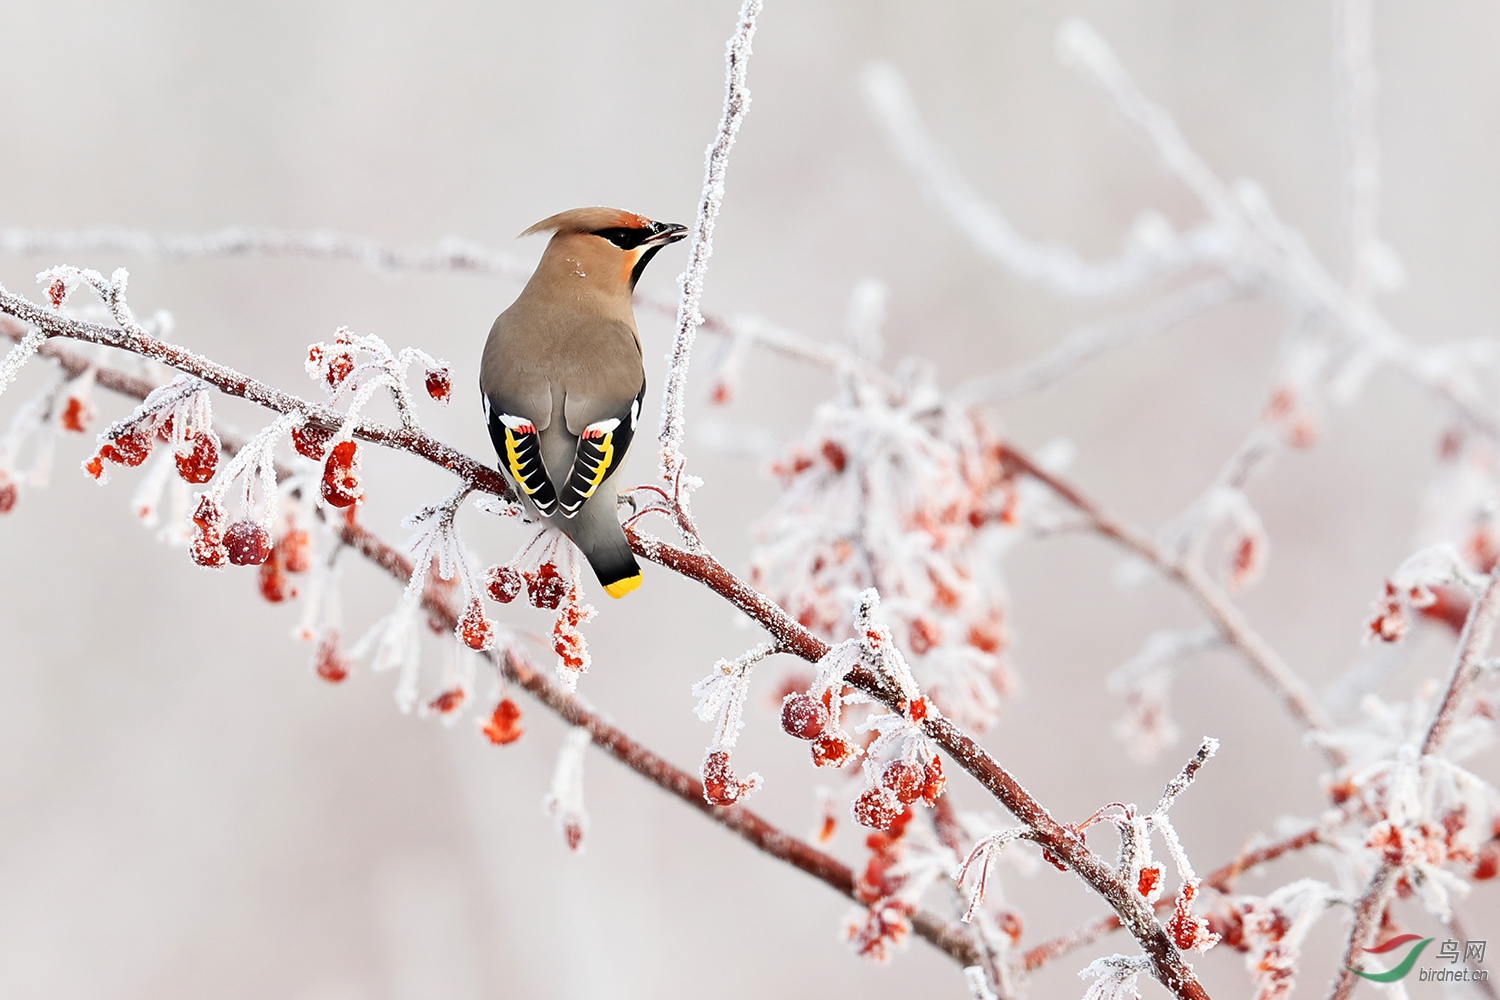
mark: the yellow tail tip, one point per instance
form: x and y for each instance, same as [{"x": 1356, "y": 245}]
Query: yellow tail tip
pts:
[{"x": 620, "y": 588}]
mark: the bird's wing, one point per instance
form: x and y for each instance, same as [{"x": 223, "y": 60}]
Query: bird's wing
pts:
[
  {"x": 519, "y": 446},
  {"x": 601, "y": 448}
]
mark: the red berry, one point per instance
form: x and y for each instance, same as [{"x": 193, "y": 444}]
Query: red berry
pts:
[
  {"x": 294, "y": 550},
  {"x": 207, "y": 550},
  {"x": 76, "y": 416},
  {"x": 329, "y": 662},
  {"x": 502, "y": 583},
  {"x": 201, "y": 460},
  {"x": 448, "y": 701},
  {"x": 95, "y": 467},
  {"x": 129, "y": 449},
  {"x": 832, "y": 750},
  {"x": 341, "y": 486},
  {"x": 504, "y": 726},
  {"x": 474, "y": 629},
  {"x": 903, "y": 780},
  {"x": 339, "y": 367},
  {"x": 721, "y": 787},
  {"x": 1487, "y": 865},
  {"x": 208, "y": 515},
  {"x": 876, "y": 808},
  {"x": 310, "y": 441},
  {"x": 545, "y": 587},
  {"x": 1149, "y": 879},
  {"x": 439, "y": 385},
  {"x": 803, "y": 716},
  {"x": 8, "y": 494},
  {"x": 248, "y": 543},
  {"x": 933, "y": 781}
]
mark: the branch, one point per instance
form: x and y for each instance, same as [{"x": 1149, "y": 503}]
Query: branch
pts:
[
  {"x": 1474, "y": 644},
  {"x": 1221, "y": 879},
  {"x": 1065, "y": 843},
  {"x": 736, "y": 103},
  {"x": 948, "y": 936}
]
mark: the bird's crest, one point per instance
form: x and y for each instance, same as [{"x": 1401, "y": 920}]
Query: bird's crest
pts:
[{"x": 588, "y": 220}]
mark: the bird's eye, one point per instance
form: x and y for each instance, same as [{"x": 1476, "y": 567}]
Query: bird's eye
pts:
[{"x": 625, "y": 239}]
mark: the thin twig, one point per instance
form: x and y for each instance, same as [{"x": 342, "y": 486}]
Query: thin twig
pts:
[{"x": 736, "y": 103}]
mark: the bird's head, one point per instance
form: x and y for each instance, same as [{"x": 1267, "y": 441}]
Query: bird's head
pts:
[{"x": 606, "y": 245}]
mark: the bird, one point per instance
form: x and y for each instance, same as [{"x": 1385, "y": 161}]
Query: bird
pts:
[{"x": 562, "y": 379}]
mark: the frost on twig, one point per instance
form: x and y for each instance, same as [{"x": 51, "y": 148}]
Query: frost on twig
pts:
[
  {"x": 564, "y": 802},
  {"x": 360, "y": 365},
  {"x": 1115, "y": 977},
  {"x": 736, "y": 103},
  {"x": 721, "y": 699}
]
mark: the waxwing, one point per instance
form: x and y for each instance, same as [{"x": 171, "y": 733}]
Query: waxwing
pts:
[{"x": 562, "y": 379}]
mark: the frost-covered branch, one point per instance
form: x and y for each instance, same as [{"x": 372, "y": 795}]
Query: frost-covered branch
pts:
[
  {"x": 1473, "y": 652},
  {"x": 514, "y": 666},
  {"x": 736, "y": 103}
]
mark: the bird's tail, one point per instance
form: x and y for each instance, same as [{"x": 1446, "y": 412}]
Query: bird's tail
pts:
[{"x": 597, "y": 533}]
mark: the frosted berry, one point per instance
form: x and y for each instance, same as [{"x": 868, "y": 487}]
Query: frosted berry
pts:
[
  {"x": 447, "y": 701},
  {"x": 474, "y": 629},
  {"x": 207, "y": 550},
  {"x": 721, "y": 786},
  {"x": 832, "y": 750},
  {"x": 295, "y": 550},
  {"x": 341, "y": 486},
  {"x": 1149, "y": 880},
  {"x": 504, "y": 725},
  {"x": 903, "y": 780},
  {"x": 310, "y": 441},
  {"x": 274, "y": 585},
  {"x": 248, "y": 543},
  {"x": 129, "y": 449},
  {"x": 208, "y": 514},
  {"x": 439, "y": 384},
  {"x": 76, "y": 416},
  {"x": 339, "y": 368},
  {"x": 502, "y": 583},
  {"x": 8, "y": 494},
  {"x": 545, "y": 587},
  {"x": 201, "y": 459},
  {"x": 329, "y": 661},
  {"x": 933, "y": 781},
  {"x": 876, "y": 808},
  {"x": 1487, "y": 864},
  {"x": 803, "y": 716}
]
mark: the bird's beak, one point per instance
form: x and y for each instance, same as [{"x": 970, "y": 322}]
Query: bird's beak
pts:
[{"x": 663, "y": 233}]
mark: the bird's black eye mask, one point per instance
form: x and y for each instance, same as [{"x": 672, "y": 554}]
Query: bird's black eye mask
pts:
[{"x": 625, "y": 239}]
